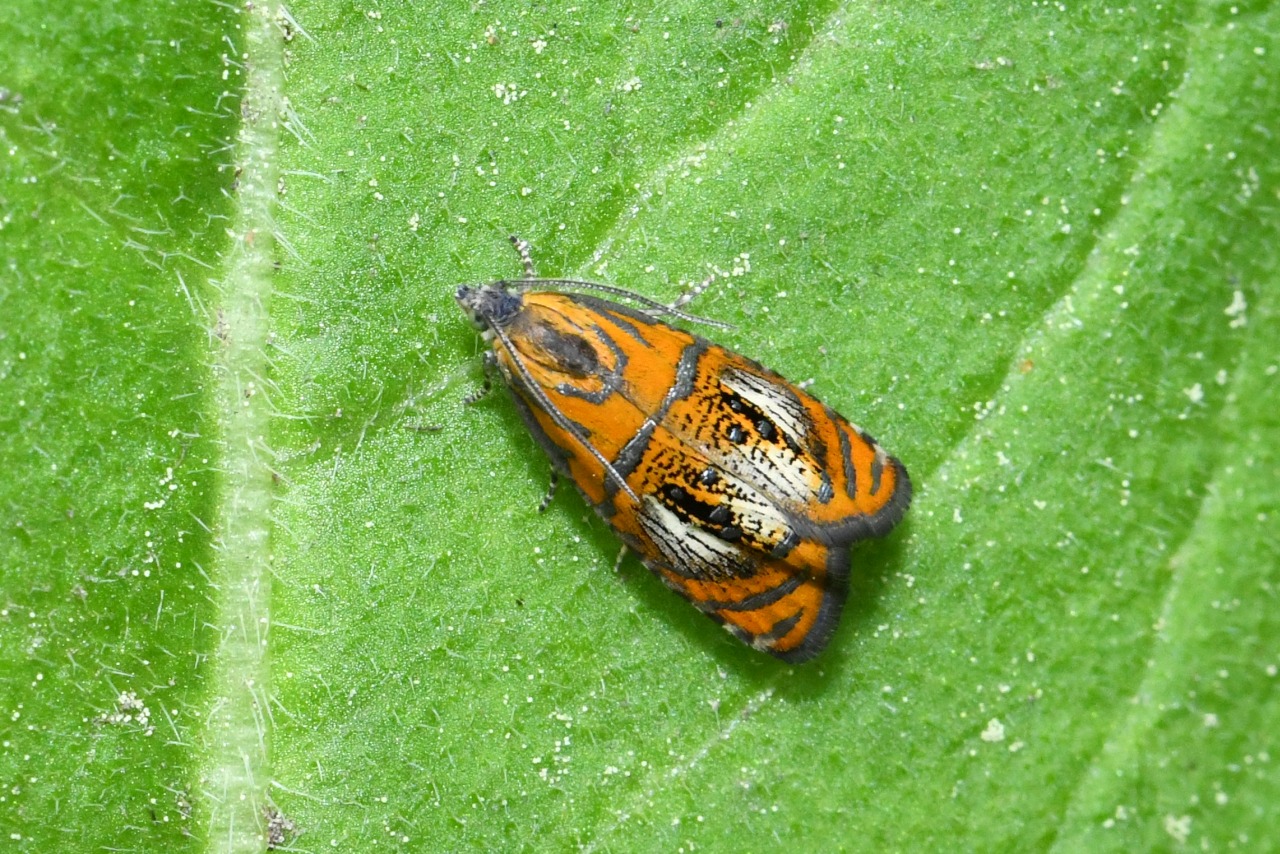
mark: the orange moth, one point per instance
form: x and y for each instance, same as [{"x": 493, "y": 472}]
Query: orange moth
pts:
[{"x": 739, "y": 489}]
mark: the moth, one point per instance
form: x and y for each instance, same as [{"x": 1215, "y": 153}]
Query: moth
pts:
[{"x": 736, "y": 487}]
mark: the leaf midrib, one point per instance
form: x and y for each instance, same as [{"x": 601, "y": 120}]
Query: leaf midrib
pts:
[{"x": 235, "y": 765}]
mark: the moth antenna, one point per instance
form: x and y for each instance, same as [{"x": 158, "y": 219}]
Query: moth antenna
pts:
[
  {"x": 526, "y": 260},
  {"x": 531, "y": 279},
  {"x": 652, "y": 305},
  {"x": 557, "y": 416},
  {"x": 694, "y": 292}
]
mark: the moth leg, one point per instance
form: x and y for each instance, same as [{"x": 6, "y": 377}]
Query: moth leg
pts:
[
  {"x": 418, "y": 425},
  {"x": 617, "y": 563},
  {"x": 489, "y": 363},
  {"x": 479, "y": 394},
  {"x": 694, "y": 292},
  {"x": 526, "y": 260},
  {"x": 551, "y": 491}
]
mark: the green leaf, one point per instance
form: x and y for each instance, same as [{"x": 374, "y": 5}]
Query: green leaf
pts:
[{"x": 1032, "y": 249}]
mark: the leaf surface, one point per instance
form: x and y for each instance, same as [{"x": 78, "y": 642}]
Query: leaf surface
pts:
[{"x": 1032, "y": 250}]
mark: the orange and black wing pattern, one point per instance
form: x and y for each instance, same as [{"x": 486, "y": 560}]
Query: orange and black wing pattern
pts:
[{"x": 737, "y": 488}]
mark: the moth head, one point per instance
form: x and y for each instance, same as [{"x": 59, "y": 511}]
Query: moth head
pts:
[{"x": 488, "y": 305}]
